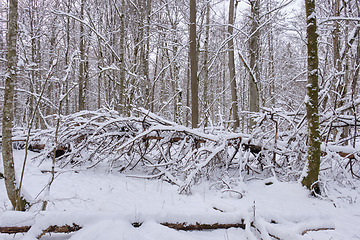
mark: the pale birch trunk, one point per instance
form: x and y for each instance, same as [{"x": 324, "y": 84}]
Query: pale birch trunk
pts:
[{"x": 8, "y": 112}]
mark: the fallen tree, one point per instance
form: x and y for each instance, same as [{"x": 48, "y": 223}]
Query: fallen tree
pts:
[
  {"x": 183, "y": 226},
  {"x": 50, "y": 229},
  {"x": 157, "y": 148},
  {"x": 75, "y": 227},
  {"x": 200, "y": 226}
]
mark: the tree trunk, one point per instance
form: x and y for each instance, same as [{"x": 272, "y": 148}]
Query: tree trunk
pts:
[
  {"x": 194, "y": 67},
  {"x": 67, "y": 55},
  {"x": 8, "y": 112},
  {"x": 254, "y": 58},
  {"x": 121, "y": 101},
  {"x": 81, "y": 96},
  {"x": 271, "y": 73},
  {"x": 310, "y": 181},
  {"x": 234, "y": 99},
  {"x": 206, "y": 65}
]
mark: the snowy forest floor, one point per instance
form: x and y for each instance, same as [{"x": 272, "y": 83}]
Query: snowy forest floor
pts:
[{"x": 105, "y": 204}]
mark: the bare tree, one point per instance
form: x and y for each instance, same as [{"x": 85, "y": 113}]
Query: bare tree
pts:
[
  {"x": 314, "y": 151},
  {"x": 18, "y": 202},
  {"x": 234, "y": 99},
  {"x": 254, "y": 49},
  {"x": 193, "y": 66},
  {"x": 82, "y": 68},
  {"x": 206, "y": 64}
]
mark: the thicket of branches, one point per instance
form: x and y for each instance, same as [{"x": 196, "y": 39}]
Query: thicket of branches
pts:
[{"x": 148, "y": 146}]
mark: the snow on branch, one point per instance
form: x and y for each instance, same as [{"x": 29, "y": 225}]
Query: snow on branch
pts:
[{"x": 148, "y": 146}]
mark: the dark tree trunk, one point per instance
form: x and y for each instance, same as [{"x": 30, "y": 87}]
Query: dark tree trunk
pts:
[
  {"x": 314, "y": 152},
  {"x": 194, "y": 67},
  {"x": 81, "y": 95},
  {"x": 254, "y": 58}
]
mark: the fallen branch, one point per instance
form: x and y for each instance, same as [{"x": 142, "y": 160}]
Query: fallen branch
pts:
[
  {"x": 316, "y": 229},
  {"x": 13, "y": 230},
  {"x": 184, "y": 226},
  {"x": 178, "y": 226},
  {"x": 61, "y": 229},
  {"x": 199, "y": 226},
  {"x": 50, "y": 229},
  {"x": 172, "y": 140},
  {"x": 256, "y": 149}
]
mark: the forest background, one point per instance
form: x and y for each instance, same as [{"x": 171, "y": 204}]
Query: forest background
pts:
[{"x": 217, "y": 67}]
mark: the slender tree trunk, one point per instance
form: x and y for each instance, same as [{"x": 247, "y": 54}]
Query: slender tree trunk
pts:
[
  {"x": 234, "y": 99},
  {"x": 8, "y": 112},
  {"x": 206, "y": 65},
  {"x": 271, "y": 70},
  {"x": 254, "y": 58},
  {"x": 336, "y": 40},
  {"x": 346, "y": 76},
  {"x": 194, "y": 67},
  {"x": 354, "y": 81},
  {"x": 310, "y": 181},
  {"x": 188, "y": 90},
  {"x": 67, "y": 53},
  {"x": 338, "y": 73},
  {"x": 146, "y": 52},
  {"x": 122, "y": 58},
  {"x": 81, "y": 96}
]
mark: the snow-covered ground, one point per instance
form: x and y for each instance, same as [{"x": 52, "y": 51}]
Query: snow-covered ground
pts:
[{"x": 105, "y": 204}]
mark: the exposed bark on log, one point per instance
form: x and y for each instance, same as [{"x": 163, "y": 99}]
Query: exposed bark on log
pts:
[
  {"x": 316, "y": 229},
  {"x": 60, "y": 229},
  {"x": 199, "y": 226},
  {"x": 178, "y": 226},
  {"x": 12, "y": 230},
  {"x": 50, "y": 229}
]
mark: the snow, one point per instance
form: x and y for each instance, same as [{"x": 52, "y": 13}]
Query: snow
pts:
[{"x": 106, "y": 204}]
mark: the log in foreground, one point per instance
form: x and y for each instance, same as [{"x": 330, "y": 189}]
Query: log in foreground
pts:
[
  {"x": 199, "y": 226},
  {"x": 50, "y": 229},
  {"x": 13, "y": 230},
  {"x": 60, "y": 229},
  {"x": 177, "y": 226}
]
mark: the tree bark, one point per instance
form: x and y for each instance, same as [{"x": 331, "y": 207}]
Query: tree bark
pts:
[
  {"x": 206, "y": 65},
  {"x": 234, "y": 99},
  {"x": 200, "y": 226},
  {"x": 254, "y": 58},
  {"x": 81, "y": 96},
  {"x": 194, "y": 67},
  {"x": 8, "y": 111},
  {"x": 314, "y": 152}
]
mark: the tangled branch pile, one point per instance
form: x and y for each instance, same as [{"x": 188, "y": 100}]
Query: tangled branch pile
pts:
[{"x": 148, "y": 146}]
